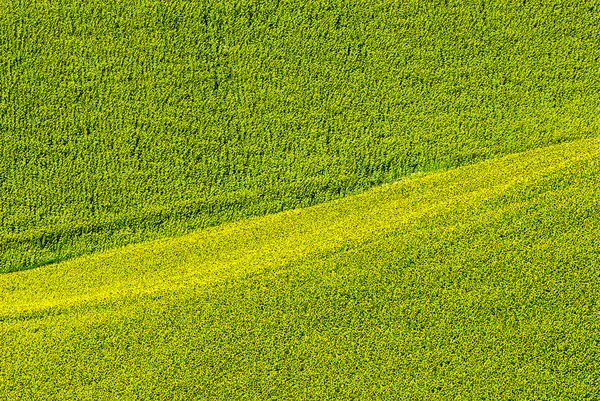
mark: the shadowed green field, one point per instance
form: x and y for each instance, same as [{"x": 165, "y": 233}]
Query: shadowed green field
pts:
[
  {"x": 122, "y": 122},
  {"x": 479, "y": 282}
]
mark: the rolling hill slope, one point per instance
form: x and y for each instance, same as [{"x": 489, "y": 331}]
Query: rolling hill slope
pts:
[
  {"x": 122, "y": 122},
  {"x": 480, "y": 282}
]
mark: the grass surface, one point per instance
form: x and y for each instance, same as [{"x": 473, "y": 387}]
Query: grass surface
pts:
[
  {"x": 475, "y": 283},
  {"x": 127, "y": 121}
]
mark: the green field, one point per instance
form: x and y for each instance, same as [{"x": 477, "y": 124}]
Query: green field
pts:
[
  {"x": 285, "y": 200},
  {"x": 122, "y": 122},
  {"x": 475, "y": 283}
]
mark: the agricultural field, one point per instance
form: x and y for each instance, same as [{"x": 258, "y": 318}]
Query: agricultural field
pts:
[
  {"x": 475, "y": 283},
  {"x": 123, "y": 122},
  {"x": 285, "y": 200}
]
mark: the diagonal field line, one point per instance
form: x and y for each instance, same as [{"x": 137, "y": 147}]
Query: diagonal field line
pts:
[{"x": 223, "y": 252}]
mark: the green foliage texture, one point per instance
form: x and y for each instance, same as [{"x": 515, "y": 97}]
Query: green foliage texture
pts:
[
  {"x": 476, "y": 283},
  {"x": 123, "y": 121}
]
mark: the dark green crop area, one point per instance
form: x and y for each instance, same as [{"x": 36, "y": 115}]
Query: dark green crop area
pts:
[{"x": 128, "y": 121}]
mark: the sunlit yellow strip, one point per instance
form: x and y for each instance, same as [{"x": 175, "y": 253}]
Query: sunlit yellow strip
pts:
[{"x": 272, "y": 241}]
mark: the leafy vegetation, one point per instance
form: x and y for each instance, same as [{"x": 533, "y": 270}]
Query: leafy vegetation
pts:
[
  {"x": 479, "y": 282},
  {"x": 128, "y": 121}
]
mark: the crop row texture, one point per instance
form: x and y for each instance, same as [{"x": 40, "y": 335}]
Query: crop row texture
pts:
[
  {"x": 476, "y": 283},
  {"x": 128, "y": 121}
]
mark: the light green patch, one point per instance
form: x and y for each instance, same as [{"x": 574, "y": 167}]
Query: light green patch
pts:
[{"x": 479, "y": 282}]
